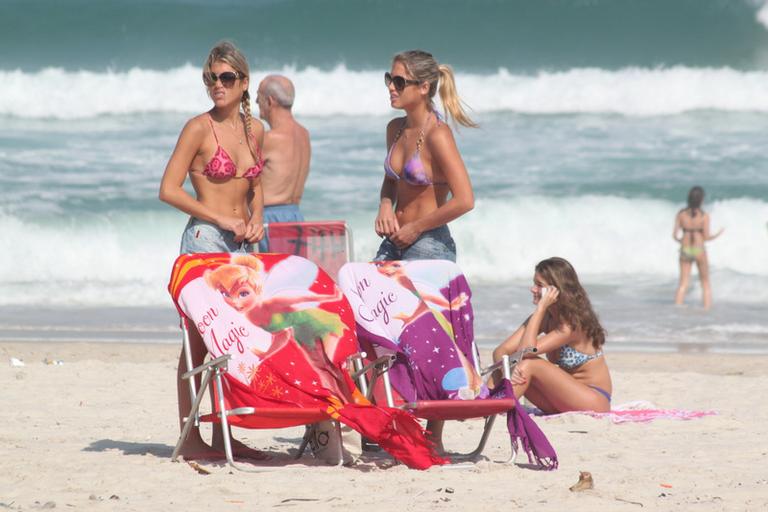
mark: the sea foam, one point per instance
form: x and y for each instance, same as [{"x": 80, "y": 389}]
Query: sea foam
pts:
[
  {"x": 56, "y": 93},
  {"x": 126, "y": 260}
]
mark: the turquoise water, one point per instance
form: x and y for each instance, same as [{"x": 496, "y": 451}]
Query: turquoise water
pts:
[
  {"x": 596, "y": 118},
  {"x": 476, "y": 35}
]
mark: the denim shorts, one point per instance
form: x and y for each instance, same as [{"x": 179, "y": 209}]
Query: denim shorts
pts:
[
  {"x": 435, "y": 244},
  {"x": 202, "y": 236}
]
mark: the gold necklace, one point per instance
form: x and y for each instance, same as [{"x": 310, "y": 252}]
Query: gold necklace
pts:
[{"x": 234, "y": 125}]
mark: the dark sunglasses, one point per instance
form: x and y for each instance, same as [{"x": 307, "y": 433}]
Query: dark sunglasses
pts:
[
  {"x": 227, "y": 78},
  {"x": 400, "y": 82}
]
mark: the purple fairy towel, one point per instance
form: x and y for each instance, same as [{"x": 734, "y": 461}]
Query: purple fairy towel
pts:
[
  {"x": 525, "y": 432},
  {"x": 419, "y": 311}
]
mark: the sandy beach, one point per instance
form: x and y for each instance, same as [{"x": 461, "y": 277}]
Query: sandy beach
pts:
[{"x": 97, "y": 432}]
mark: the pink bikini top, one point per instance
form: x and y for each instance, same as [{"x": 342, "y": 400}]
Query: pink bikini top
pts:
[
  {"x": 221, "y": 166},
  {"x": 413, "y": 170}
]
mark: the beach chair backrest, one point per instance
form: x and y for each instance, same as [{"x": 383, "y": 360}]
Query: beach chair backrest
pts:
[
  {"x": 420, "y": 312},
  {"x": 280, "y": 318},
  {"x": 327, "y": 243}
]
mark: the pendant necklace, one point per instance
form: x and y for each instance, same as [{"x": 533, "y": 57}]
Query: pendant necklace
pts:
[{"x": 237, "y": 132}]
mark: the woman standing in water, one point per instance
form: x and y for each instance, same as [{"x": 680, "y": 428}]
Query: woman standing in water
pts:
[
  {"x": 220, "y": 151},
  {"x": 423, "y": 165},
  {"x": 692, "y": 230}
]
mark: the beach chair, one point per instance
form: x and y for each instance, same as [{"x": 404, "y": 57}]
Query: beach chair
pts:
[
  {"x": 328, "y": 243},
  {"x": 415, "y": 323},
  {"x": 280, "y": 334}
]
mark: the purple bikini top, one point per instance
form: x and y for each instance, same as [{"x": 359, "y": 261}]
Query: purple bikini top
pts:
[
  {"x": 221, "y": 166},
  {"x": 413, "y": 171}
]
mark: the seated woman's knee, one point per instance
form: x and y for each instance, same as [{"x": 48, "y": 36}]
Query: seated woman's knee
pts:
[{"x": 525, "y": 367}]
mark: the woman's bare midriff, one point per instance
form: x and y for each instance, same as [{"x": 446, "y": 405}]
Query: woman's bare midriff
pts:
[
  {"x": 415, "y": 202},
  {"x": 229, "y": 198}
]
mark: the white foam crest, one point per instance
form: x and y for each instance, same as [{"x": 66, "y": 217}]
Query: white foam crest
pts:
[
  {"x": 734, "y": 328},
  {"x": 125, "y": 260},
  {"x": 762, "y": 15},
  {"x": 60, "y": 94},
  {"x": 57, "y": 93},
  {"x": 630, "y": 91},
  {"x": 106, "y": 262}
]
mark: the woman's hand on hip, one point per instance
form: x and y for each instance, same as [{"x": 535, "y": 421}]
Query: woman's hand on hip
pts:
[
  {"x": 254, "y": 232},
  {"x": 386, "y": 221},
  {"x": 234, "y": 224},
  {"x": 405, "y": 236}
]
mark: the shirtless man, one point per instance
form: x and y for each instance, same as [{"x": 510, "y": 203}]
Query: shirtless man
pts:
[{"x": 286, "y": 153}]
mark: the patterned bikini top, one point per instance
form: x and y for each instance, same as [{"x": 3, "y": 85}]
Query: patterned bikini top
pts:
[
  {"x": 570, "y": 358},
  {"x": 413, "y": 171},
  {"x": 221, "y": 166}
]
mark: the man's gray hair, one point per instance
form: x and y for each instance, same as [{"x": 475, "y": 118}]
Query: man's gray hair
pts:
[{"x": 281, "y": 89}]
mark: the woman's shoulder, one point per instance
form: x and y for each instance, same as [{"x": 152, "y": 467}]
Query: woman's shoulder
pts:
[
  {"x": 439, "y": 135},
  {"x": 196, "y": 126}
]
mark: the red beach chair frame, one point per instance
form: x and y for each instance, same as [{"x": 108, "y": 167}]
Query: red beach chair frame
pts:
[
  {"x": 288, "y": 416},
  {"x": 328, "y": 243},
  {"x": 369, "y": 372},
  {"x": 381, "y": 390},
  {"x": 328, "y": 231}
]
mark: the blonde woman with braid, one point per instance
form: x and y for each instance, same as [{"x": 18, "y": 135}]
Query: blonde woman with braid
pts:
[
  {"x": 220, "y": 150},
  {"x": 425, "y": 182}
]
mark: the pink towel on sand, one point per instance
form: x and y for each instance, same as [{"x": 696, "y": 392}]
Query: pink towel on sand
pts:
[{"x": 638, "y": 412}]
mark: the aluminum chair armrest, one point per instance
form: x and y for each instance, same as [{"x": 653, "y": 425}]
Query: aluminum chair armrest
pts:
[
  {"x": 508, "y": 362},
  {"x": 382, "y": 364},
  {"x": 220, "y": 362}
]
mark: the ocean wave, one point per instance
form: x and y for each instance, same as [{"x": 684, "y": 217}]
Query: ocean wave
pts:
[
  {"x": 60, "y": 94},
  {"x": 125, "y": 260}
]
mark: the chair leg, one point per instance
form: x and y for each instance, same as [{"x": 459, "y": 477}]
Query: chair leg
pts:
[
  {"x": 340, "y": 445},
  {"x": 513, "y": 455},
  {"x": 308, "y": 433},
  {"x": 225, "y": 430},
  {"x": 191, "y": 418},
  {"x": 489, "y": 420},
  {"x": 226, "y": 433}
]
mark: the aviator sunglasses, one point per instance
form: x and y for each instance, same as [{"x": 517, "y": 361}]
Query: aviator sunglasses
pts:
[
  {"x": 227, "y": 78},
  {"x": 400, "y": 82}
]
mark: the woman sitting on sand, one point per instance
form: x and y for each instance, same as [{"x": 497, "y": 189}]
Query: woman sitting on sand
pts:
[
  {"x": 693, "y": 222},
  {"x": 574, "y": 376},
  {"x": 422, "y": 165}
]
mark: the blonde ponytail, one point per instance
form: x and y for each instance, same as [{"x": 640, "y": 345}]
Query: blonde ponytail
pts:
[
  {"x": 424, "y": 68},
  {"x": 451, "y": 99}
]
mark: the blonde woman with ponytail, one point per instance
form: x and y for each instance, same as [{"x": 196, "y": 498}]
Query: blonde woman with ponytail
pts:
[
  {"x": 220, "y": 150},
  {"x": 425, "y": 183}
]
